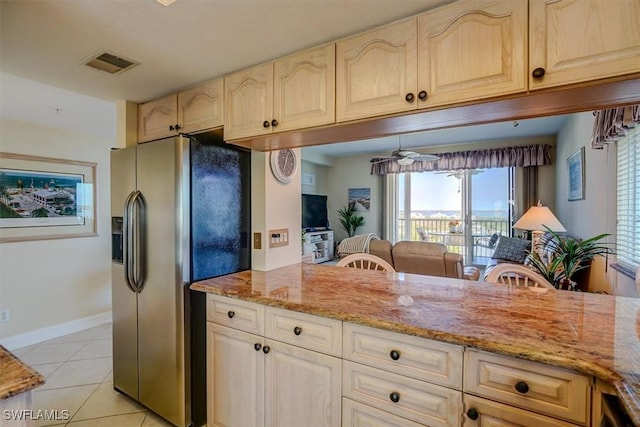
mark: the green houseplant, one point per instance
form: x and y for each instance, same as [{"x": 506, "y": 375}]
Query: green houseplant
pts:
[{"x": 349, "y": 219}]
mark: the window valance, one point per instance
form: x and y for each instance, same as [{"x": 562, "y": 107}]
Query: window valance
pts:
[
  {"x": 613, "y": 123},
  {"x": 532, "y": 155}
]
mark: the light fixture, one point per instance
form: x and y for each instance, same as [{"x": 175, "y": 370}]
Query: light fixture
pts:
[
  {"x": 535, "y": 220},
  {"x": 166, "y": 2}
]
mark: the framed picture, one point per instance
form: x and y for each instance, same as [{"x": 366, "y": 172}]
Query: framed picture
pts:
[
  {"x": 575, "y": 175},
  {"x": 360, "y": 198},
  {"x": 46, "y": 198}
]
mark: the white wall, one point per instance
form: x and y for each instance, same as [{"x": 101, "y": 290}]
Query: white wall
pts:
[
  {"x": 51, "y": 282},
  {"x": 320, "y": 174}
]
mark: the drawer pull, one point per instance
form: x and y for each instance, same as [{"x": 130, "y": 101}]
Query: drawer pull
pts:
[
  {"x": 522, "y": 387},
  {"x": 257, "y": 346},
  {"x": 266, "y": 124},
  {"x": 231, "y": 313},
  {"x": 423, "y": 95},
  {"x": 410, "y": 97},
  {"x": 297, "y": 330},
  {"x": 538, "y": 73},
  {"x": 394, "y": 354},
  {"x": 394, "y": 397},
  {"x": 473, "y": 414},
  {"x": 266, "y": 349}
]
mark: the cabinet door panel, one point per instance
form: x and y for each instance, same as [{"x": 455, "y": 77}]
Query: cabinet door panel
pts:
[
  {"x": 200, "y": 108},
  {"x": 235, "y": 378},
  {"x": 375, "y": 71},
  {"x": 605, "y": 43},
  {"x": 248, "y": 98},
  {"x": 452, "y": 68},
  {"x": 302, "y": 387},
  {"x": 304, "y": 89},
  {"x": 155, "y": 117},
  {"x": 355, "y": 414}
]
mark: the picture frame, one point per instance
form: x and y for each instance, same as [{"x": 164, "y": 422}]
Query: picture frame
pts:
[
  {"x": 575, "y": 176},
  {"x": 44, "y": 198},
  {"x": 360, "y": 198}
]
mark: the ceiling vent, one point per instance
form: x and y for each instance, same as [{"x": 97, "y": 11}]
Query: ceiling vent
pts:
[{"x": 112, "y": 64}]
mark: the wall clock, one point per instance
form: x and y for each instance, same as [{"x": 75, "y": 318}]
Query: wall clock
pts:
[{"x": 284, "y": 165}]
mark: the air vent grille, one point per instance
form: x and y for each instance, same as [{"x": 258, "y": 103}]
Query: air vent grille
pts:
[{"x": 110, "y": 63}]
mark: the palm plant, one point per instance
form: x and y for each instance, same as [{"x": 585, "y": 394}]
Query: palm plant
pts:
[{"x": 349, "y": 219}]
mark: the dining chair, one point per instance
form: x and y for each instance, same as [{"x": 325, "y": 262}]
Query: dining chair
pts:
[
  {"x": 517, "y": 275},
  {"x": 365, "y": 261}
]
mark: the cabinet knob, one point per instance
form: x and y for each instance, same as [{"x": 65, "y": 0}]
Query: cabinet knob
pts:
[
  {"x": 409, "y": 97},
  {"x": 297, "y": 330},
  {"x": 394, "y": 354},
  {"x": 538, "y": 73},
  {"x": 257, "y": 346},
  {"x": 178, "y": 127},
  {"x": 522, "y": 387},
  {"x": 394, "y": 397},
  {"x": 231, "y": 313},
  {"x": 266, "y": 349},
  {"x": 423, "y": 95},
  {"x": 266, "y": 124},
  {"x": 171, "y": 128},
  {"x": 274, "y": 123},
  {"x": 473, "y": 414}
]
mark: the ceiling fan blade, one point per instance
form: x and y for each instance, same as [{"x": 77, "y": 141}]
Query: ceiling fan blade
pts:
[
  {"x": 380, "y": 160},
  {"x": 407, "y": 153},
  {"x": 405, "y": 161},
  {"x": 426, "y": 157}
]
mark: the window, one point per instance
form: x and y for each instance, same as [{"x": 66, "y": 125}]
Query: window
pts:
[{"x": 628, "y": 200}]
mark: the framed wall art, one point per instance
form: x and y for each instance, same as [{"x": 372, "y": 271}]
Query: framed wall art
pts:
[
  {"x": 575, "y": 175},
  {"x": 46, "y": 198}
]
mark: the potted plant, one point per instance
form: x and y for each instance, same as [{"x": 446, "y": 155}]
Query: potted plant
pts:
[{"x": 349, "y": 219}]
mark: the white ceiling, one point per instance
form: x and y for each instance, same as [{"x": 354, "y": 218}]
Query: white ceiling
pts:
[{"x": 43, "y": 44}]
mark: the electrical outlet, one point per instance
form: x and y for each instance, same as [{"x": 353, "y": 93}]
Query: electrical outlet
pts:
[{"x": 4, "y": 315}]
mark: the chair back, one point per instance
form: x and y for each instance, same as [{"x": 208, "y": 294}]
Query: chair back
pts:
[
  {"x": 365, "y": 261},
  {"x": 516, "y": 275}
]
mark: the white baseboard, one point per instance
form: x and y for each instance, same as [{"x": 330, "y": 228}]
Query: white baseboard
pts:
[{"x": 55, "y": 331}]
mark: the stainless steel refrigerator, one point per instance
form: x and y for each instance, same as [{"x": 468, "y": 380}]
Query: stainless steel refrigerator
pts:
[{"x": 180, "y": 212}]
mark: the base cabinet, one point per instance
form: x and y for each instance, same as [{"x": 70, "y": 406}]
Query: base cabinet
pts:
[
  {"x": 319, "y": 244},
  {"x": 481, "y": 412}
]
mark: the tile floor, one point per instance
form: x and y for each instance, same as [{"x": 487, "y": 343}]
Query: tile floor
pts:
[{"x": 77, "y": 368}]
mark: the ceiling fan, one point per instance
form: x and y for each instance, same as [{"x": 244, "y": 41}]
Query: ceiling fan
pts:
[{"x": 405, "y": 157}]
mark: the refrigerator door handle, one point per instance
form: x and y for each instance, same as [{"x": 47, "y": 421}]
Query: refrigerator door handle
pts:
[
  {"x": 127, "y": 245},
  {"x": 140, "y": 256}
]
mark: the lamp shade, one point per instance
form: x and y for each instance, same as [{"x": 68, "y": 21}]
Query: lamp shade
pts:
[{"x": 537, "y": 217}]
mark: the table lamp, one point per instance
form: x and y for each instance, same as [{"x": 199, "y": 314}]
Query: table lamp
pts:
[{"x": 535, "y": 220}]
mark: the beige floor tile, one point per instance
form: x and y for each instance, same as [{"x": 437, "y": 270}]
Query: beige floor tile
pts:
[
  {"x": 80, "y": 336},
  {"x": 47, "y": 369},
  {"x": 109, "y": 377},
  {"x": 128, "y": 420},
  {"x": 66, "y": 399},
  {"x": 106, "y": 333},
  {"x": 105, "y": 401},
  {"x": 19, "y": 352},
  {"x": 52, "y": 353},
  {"x": 153, "y": 420},
  {"x": 94, "y": 349},
  {"x": 79, "y": 372}
]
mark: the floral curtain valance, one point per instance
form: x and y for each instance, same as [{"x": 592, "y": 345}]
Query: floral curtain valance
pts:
[
  {"x": 532, "y": 155},
  {"x": 612, "y": 124}
]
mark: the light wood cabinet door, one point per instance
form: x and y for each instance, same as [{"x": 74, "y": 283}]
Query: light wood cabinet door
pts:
[
  {"x": 235, "y": 378},
  {"x": 472, "y": 50},
  {"x": 248, "y": 99},
  {"x": 304, "y": 89},
  {"x": 200, "y": 108},
  {"x": 155, "y": 118},
  {"x": 302, "y": 387},
  {"x": 355, "y": 414},
  {"x": 376, "y": 72},
  {"x": 487, "y": 413},
  {"x": 581, "y": 40}
]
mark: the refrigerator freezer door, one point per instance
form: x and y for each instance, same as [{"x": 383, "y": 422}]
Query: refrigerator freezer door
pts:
[
  {"x": 124, "y": 301},
  {"x": 161, "y": 315}
]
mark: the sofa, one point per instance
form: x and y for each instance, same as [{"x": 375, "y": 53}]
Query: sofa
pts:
[{"x": 428, "y": 258}]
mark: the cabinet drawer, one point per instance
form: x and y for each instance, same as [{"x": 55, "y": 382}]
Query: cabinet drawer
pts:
[
  {"x": 415, "y": 357},
  {"x": 246, "y": 316},
  {"x": 546, "y": 389},
  {"x": 304, "y": 330},
  {"x": 490, "y": 413},
  {"x": 418, "y": 401},
  {"x": 355, "y": 414}
]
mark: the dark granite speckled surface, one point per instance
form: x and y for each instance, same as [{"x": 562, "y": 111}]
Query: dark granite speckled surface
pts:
[
  {"x": 15, "y": 376},
  {"x": 591, "y": 333}
]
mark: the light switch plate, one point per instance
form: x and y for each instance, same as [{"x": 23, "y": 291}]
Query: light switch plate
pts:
[
  {"x": 257, "y": 240},
  {"x": 278, "y": 237}
]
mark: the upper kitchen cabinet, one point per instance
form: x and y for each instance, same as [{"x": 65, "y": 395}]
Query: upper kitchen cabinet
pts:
[
  {"x": 572, "y": 41},
  {"x": 158, "y": 118},
  {"x": 376, "y": 72},
  {"x": 294, "y": 92},
  {"x": 472, "y": 50},
  {"x": 201, "y": 107}
]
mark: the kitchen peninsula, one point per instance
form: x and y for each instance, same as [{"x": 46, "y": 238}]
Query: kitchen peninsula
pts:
[{"x": 561, "y": 347}]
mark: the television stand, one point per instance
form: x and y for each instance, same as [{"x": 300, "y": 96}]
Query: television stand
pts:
[{"x": 320, "y": 244}]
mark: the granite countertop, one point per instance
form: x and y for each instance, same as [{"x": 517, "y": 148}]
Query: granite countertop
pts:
[
  {"x": 15, "y": 376},
  {"x": 594, "y": 334}
]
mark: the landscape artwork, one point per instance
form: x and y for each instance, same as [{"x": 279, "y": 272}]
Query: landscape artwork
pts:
[
  {"x": 575, "y": 175},
  {"x": 360, "y": 198},
  {"x": 39, "y": 199}
]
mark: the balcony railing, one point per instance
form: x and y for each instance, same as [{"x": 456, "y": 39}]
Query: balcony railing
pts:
[{"x": 438, "y": 230}]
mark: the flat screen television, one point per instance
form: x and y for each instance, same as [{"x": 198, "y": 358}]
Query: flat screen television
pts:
[{"x": 314, "y": 212}]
